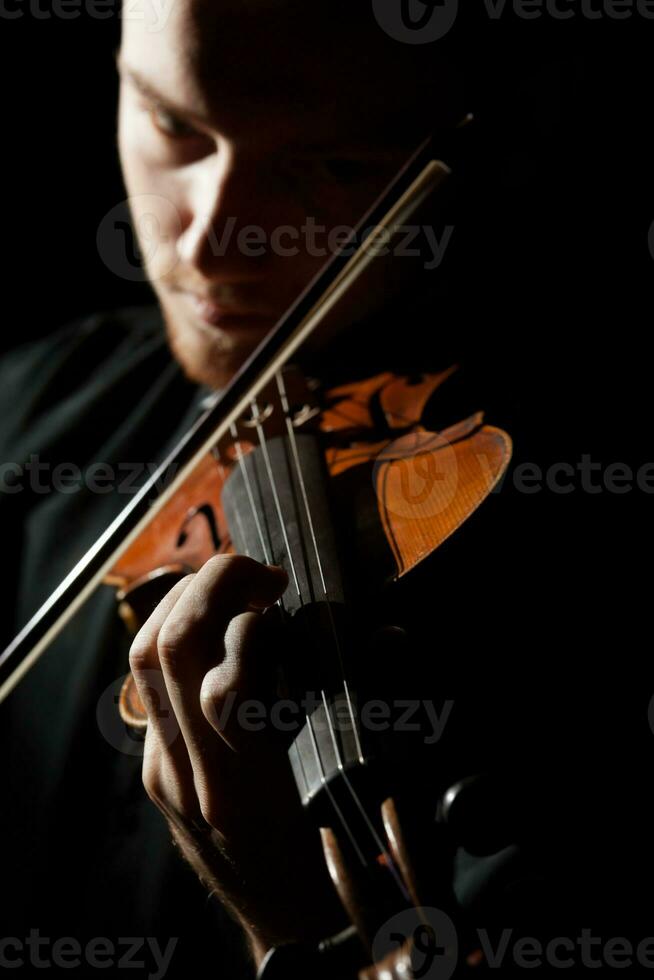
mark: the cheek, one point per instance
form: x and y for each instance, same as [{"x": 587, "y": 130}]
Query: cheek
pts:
[
  {"x": 144, "y": 171},
  {"x": 154, "y": 200},
  {"x": 157, "y": 226}
]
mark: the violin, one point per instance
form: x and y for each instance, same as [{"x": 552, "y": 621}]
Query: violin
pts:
[
  {"x": 268, "y": 491},
  {"x": 317, "y": 481}
]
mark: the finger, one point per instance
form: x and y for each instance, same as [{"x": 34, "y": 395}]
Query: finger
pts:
[
  {"x": 236, "y": 693},
  {"x": 238, "y": 700},
  {"x": 166, "y": 771},
  {"x": 148, "y": 676},
  {"x": 169, "y": 785},
  {"x": 191, "y": 641}
]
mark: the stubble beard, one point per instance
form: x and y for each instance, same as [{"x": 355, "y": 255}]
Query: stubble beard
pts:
[{"x": 206, "y": 355}]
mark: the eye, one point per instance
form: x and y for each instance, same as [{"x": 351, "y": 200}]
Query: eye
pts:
[{"x": 169, "y": 124}]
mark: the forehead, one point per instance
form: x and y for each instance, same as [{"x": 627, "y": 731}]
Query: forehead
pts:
[{"x": 319, "y": 67}]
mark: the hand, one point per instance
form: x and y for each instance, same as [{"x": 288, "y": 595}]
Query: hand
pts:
[{"x": 228, "y": 793}]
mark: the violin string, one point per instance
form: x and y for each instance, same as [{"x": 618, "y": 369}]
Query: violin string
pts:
[
  {"x": 339, "y": 760},
  {"x": 296, "y": 456},
  {"x": 237, "y": 512},
  {"x": 314, "y": 541},
  {"x": 390, "y": 863},
  {"x": 256, "y": 415},
  {"x": 273, "y": 486},
  {"x": 323, "y": 778},
  {"x": 248, "y": 490},
  {"x": 268, "y": 552},
  {"x": 325, "y": 784}
]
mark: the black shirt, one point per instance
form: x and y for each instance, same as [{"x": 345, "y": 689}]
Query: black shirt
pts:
[
  {"x": 494, "y": 618},
  {"x": 85, "y": 853}
]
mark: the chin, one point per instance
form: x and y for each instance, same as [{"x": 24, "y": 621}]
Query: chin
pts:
[{"x": 208, "y": 355}]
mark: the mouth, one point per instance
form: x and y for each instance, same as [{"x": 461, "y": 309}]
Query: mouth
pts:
[{"x": 219, "y": 315}]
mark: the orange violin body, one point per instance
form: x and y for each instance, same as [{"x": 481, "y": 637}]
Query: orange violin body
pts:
[{"x": 425, "y": 484}]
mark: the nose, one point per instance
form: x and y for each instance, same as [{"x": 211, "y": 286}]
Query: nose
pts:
[{"x": 225, "y": 201}]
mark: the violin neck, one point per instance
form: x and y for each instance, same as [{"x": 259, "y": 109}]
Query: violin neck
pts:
[{"x": 278, "y": 508}]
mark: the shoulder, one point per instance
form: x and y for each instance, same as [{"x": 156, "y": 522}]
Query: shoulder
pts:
[
  {"x": 48, "y": 385},
  {"x": 69, "y": 353}
]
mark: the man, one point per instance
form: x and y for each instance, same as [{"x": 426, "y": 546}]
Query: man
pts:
[
  {"x": 224, "y": 123},
  {"x": 270, "y": 115},
  {"x": 217, "y": 123}
]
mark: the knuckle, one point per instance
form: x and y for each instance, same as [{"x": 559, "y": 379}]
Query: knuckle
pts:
[
  {"x": 184, "y": 582},
  {"x": 140, "y": 653},
  {"x": 219, "y": 562},
  {"x": 153, "y": 784},
  {"x": 211, "y": 702},
  {"x": 171, "y": 644},
  {"x": 209, "y": 809},
  {"x": 228, "y": 566}
]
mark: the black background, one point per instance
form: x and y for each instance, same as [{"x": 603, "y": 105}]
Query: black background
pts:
[
  {"x": 550, "y": 291},
  {"x": 552, "y": 267},
  {"x": 567, "y": 109}
]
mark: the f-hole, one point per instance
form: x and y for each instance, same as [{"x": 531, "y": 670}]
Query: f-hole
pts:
[{"x": 206, "y": 510}]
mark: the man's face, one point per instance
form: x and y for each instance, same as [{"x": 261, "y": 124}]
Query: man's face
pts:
[{"x": 248, "y": 130}]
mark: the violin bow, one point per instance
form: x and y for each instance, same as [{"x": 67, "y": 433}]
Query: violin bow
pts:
[{"x": 423, "y": 173}]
